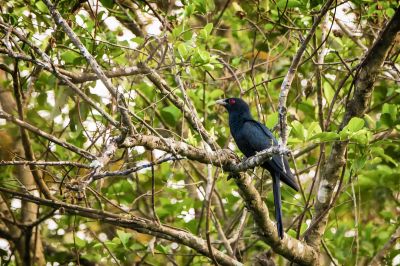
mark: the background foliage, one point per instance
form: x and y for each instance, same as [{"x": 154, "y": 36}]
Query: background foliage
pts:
[{"x": 208, "y": 50}]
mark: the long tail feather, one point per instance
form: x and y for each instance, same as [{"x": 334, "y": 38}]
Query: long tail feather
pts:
[{"x": 278, "y": 205}]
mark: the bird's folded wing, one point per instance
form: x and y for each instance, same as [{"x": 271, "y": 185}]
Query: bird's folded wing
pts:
[{"x": 261, "y": 138}]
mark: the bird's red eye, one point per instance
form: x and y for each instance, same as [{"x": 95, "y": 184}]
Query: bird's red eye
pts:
[{"x": 231, "y": 101}]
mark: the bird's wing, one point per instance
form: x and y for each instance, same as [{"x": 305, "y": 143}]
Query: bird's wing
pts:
[
  {"x": 264, "y": 129},
  {"x": 257, "y": 138},
  {"x": 259, "y": 143}
]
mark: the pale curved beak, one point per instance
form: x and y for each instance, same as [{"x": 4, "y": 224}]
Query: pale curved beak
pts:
[{"x": 221, "y": 102}]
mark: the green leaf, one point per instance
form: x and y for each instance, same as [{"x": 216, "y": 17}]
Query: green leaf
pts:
[
  {"x": 162, "y": 248},
  {"x": 205, "y": 33},
  {"x": 61, "y": 100},
  {"x": 177, "y": 31},
  {"x": 69, "y": 56},
  {"x": 390, "y": 109},
  {"x": 379, "y": 151},
  {"x": 183, "y": 50},
  {"x": 187, "y": 35},
  {"x": 215, "y": 94},
  {"x": 289, "y": 3},
  {"x": 138, "y": 40},
  {"x": 325, "y": 136},
  {"x": 359, "y": 163},
  {"x": 41, "y": 6},
  {"x": 272, "y": 120},
  {"x": 208, "y": 28},
  {"x": 189, "y": 10},
  {"x": 208, "y": 67},
  {"x": 329, "y": 92},
  {"x": 107, "y": 3},
  {"x": 313, "y": 129},
  {"x": 360, "y": 137},
  {"x": 204, "y": 6},
  {"x": 171, "y": 114},
  {"x": 390, "y": 12},
  {"x": 298, "y": 129},
  {"x": 236, "y": 61},
  {"x": 79, "y": 242},
  {"x": 204, "y": 55},
  {"x": 124, "y": 237},
  {"x": 355, "y": 124}
]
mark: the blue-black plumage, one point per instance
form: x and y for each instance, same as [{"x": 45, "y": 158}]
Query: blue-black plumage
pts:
[{"x": 251, "y": 137}]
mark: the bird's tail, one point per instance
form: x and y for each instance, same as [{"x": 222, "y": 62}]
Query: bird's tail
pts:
[{"x": 277, "y": 202}]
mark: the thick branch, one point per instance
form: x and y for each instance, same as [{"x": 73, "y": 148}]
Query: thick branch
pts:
[
  {"x": 289, "y": 247},
  {"x": 221, "y": 158},
  {"x": 356, "y": 107}
]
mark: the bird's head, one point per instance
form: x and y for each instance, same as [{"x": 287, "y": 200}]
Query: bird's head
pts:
[{"x": 234, "y": 105}]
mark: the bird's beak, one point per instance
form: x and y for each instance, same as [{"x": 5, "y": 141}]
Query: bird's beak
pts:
[{"x": 221, "y": 102}]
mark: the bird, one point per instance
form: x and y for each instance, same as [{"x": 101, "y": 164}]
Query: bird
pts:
[{"x": 251, "y": 137}]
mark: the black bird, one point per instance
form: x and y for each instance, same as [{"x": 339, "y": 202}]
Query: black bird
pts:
[{"x": 251, "y": 137}]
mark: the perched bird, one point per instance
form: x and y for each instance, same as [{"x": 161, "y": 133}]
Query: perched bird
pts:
[{"x": 251, "y": 137}]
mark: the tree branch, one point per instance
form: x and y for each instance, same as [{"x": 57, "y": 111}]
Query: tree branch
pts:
[
  {"x": 84, "y": 77},
  {"x": 92, "y": 62},
  {"x": 356, "y": 107},
  {"x": 287, "y": 81},
  {"x": 289, "y": 247},
  {"x": 221, "y": 158},
  {"x": 190, "y": 115}
]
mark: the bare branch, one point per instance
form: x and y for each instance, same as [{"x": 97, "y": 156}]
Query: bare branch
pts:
[
  {"x": 287, "y": 81},
  {"x": 84, "y": 77}
]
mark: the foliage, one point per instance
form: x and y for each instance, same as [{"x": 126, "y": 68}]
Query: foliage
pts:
[{"x": 205, "y": 51}]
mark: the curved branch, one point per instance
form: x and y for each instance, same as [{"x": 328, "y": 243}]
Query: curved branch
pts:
[
  {"x": 289, "y": 247},
  {"x": 380, "y": 256}
]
